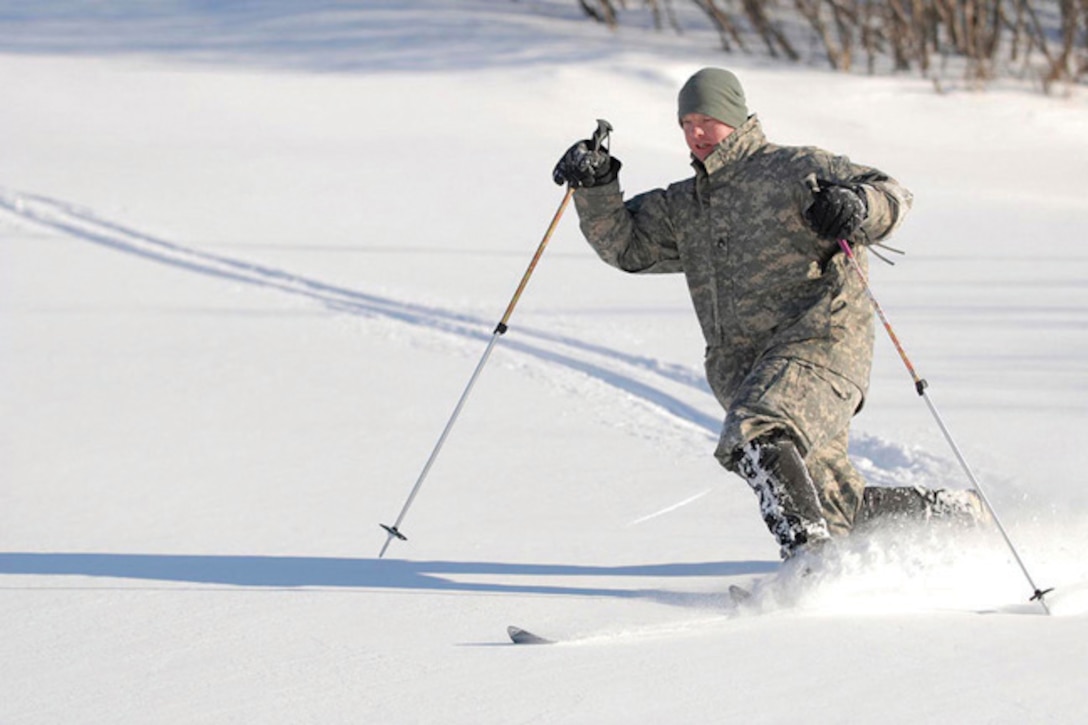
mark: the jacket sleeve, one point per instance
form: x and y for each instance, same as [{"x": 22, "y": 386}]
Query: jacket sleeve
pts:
[
  {"x": 888, "y": 201},
  {"x": 636, "y": 235}
]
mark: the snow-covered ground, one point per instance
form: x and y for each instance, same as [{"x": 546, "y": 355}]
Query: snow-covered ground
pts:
[{"x": 249, "y": 258}]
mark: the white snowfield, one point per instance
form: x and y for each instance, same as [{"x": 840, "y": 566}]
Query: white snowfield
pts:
[{"x": 249, "y": 258}]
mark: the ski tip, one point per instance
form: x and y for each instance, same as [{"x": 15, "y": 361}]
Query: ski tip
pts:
[
  {"x": 739, "y": 595},
  {"x": 521, "y": 636}
]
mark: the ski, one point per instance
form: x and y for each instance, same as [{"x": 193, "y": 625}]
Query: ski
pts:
[{"x": 522, "y": 636}]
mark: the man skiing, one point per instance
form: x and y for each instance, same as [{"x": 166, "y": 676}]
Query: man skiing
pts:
[{"x": 788, "y": 329}]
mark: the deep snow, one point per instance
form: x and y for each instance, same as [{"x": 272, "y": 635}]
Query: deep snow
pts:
[{"x": 250, "y": 257}]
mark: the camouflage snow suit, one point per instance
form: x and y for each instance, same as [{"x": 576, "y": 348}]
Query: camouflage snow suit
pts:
[{"x": 788, "y": 329}]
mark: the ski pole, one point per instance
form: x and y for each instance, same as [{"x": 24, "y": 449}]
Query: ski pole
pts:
[
  {"x": 600, "y": 136},
  {"x": 920, "y": 386}
]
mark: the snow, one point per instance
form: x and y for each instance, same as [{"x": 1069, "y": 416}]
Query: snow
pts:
[{"x": 249, "y": 259}]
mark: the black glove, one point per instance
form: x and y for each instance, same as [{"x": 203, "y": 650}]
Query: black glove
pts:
[
  {"x": 584, "y": 166},
  {"x": 837, "y": 209}
]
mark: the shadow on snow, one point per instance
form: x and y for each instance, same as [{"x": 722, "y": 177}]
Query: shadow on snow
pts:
[{"x": 327, "y": 572}]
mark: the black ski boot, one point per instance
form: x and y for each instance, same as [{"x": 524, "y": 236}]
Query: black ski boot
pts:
[
  {"x": 916, "y": 504},
  {"x": 788, "y": 499}
]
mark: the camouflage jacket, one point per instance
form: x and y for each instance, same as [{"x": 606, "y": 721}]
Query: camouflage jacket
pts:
[{"x": 762, "y": 282}]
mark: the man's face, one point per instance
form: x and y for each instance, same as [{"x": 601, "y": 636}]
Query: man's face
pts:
[{"x": 703, "y": 133}]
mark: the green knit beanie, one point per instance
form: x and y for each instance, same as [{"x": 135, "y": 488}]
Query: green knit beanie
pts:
[{"x": 717, "y": 93}]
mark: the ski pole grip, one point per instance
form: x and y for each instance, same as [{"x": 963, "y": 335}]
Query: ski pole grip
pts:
[{"x": 600, "y": 136}]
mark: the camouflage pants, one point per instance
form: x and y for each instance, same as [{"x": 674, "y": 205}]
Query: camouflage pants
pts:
[{"x": 813, "y": 406}]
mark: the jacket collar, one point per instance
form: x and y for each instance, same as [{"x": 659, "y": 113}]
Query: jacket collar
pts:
[{"x": 737, "y": 145}]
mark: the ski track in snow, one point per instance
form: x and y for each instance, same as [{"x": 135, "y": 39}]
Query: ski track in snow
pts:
[{"x": 678, "y": 394}]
